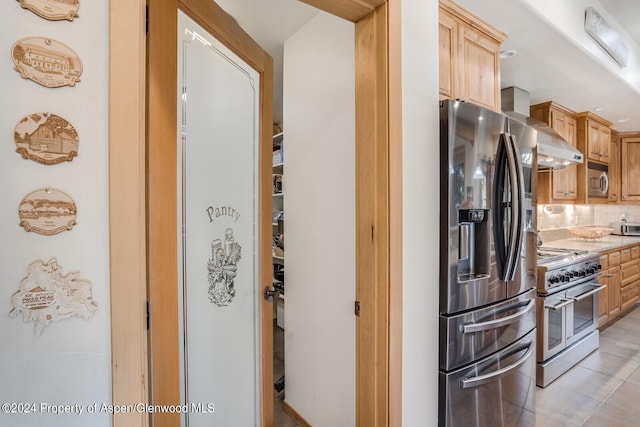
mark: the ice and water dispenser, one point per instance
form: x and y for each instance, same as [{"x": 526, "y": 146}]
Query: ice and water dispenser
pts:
[{"x": 474, "y": 236}]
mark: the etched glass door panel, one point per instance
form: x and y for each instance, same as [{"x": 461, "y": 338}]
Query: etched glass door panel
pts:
[{"x": 218, "y": 116}]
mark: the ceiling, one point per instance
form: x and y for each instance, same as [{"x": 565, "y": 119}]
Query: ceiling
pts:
[
  {"x": 553, "y": 68},
  {"x": 547, "y": 65},
  {"x": 270, "y": 23}
]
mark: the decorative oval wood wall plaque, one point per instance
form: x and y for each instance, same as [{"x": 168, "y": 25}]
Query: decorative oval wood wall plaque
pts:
[
  {"x": 46, "y": 138},
  {"x": 47, "y": 212},
  {"x": 46, "y": 61},
  {"x": 53, "y": 10},
  {"x": 47, "y": 295}
]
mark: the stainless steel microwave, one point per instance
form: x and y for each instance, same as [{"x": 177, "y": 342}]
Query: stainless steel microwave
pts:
[
  {"x": 624, "y": 228},
  {"x": 597, "y": 180}
]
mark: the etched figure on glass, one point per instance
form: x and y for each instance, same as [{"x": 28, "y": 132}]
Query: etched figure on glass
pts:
[{"x": 222, "y": 268}]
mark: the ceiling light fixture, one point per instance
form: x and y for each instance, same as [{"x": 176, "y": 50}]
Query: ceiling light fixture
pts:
[
  {"x": 508, "y": 53},
  {"x": 622, "y": 120},
  {"x": 606, "y": 36},
  {"x": 597, "y": 109}
]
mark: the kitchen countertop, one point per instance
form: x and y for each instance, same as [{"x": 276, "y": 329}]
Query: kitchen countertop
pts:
[{"x": 606, "y": 243}]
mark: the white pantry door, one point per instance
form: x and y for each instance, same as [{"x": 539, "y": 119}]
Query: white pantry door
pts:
[{"x": 218, "y": 215}]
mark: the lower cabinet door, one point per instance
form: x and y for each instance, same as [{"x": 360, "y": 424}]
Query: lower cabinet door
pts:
[{"x": 496, "y": 391}]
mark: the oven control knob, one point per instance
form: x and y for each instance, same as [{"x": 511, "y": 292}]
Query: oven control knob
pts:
[
  {"x": 591, "y": 270},
  {"x": 583, "y": 273}
]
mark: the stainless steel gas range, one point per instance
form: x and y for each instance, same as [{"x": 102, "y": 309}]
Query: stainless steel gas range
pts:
[{"x": 567, "y": 310}]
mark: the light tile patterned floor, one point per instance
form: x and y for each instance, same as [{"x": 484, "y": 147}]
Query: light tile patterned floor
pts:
[
  {"x": 601, "y": 391},
  {"x": 604, "y": 389}
]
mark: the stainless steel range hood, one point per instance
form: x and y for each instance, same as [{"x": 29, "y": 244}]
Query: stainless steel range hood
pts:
[{"x": 553, "y": 151}]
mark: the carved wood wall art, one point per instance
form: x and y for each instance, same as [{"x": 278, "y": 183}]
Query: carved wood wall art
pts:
[
  {"x": 47, "y": 62},
  {"x": 53, "y": 10},
  {"x": 47, "y": 211},
  {"x": 47, "y": 295},
  {"x": 46, "y": 138}
]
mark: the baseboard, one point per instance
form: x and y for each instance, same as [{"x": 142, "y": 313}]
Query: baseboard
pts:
[{"x": 295, "y": 415}]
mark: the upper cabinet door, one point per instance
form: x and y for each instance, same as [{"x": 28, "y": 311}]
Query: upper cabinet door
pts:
[
  {"x": 593, "y": 140},
  {"x": 448, "y": 42},
  {"x": 481, "y": 68},
  {"x": 630, "y": 169},
  {"x": 469, "y": 52},
  {"x": 594, "y": 136},
  {"x": 605, "y": 143}
]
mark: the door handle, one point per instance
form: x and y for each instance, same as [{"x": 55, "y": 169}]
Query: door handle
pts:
[
  {"x": 517, "y": 194},
  {"x": 565, "y": 302},
  {"x": 494, "y": 324},
  {"x": 604, "y": 183},
  {"x": 487, "y": 378},
  {"x": 270, "y": 293},
  {"x": 589, "y": 293}
]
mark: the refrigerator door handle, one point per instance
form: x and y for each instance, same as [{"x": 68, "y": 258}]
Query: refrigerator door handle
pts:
[
  {"x": 499, "y": 206},
  {"x": 517, "y": 208},
  {"x": 494, "y": 324},
  {"x": 493, "y": 376}
]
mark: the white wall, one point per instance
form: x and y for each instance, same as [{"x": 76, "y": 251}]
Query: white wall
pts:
[
  {"x": 69, "y": 363},
  {"x": 420, "y": 157},
  {"x": 319, "y": 205}
]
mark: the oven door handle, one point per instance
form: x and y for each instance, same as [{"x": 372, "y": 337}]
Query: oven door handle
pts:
[
  {"x": 487, "y": 378},
  {"x": 565, "y": 302},
  {"x": 588, "y": 293},
  {"x": 495, "y": 324}
]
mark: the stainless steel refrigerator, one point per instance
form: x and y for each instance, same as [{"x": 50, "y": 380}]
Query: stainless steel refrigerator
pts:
[{"x": 487, "y": 268}]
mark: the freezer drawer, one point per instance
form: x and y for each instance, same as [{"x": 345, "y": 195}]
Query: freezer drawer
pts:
[
  {"x": 498, "y": 391},
  {"x": 473, "y": 335}
]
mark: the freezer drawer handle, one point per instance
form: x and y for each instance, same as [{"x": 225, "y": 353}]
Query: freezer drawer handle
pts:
[
  {"x": 493, "y": 376},
  {"x": 494, "y": 324}
]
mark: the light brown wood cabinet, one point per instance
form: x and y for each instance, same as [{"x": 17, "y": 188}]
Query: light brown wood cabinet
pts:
[
  {"x": 603, "y": 296},
  {"x": 614, "y": 168},
  {"x": 594, "y": 141},
  {"x": 559, "y": 186},
  {"x": 469, "y": 52},
  {"x": 613, "y": 293},
  {"x": 630, "y": 168},
  {"x": 594, "y": 136},
  {"x": 621, "y": 275},
  {"x": 630, "y": 280}
]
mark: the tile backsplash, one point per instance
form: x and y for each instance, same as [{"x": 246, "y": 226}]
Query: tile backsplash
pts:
[{"x": 552, "y": 217}]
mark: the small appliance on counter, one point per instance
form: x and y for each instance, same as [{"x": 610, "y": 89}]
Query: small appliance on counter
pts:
[{"x": 624, "y": 228}]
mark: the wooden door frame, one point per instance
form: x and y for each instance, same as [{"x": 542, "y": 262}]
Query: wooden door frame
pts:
[
  {"x": 379, "y": 218},
  {"x": 144, "y": 257},
  {"x": 162, "y": 205},
  {"x": 378, "y": 206}
]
